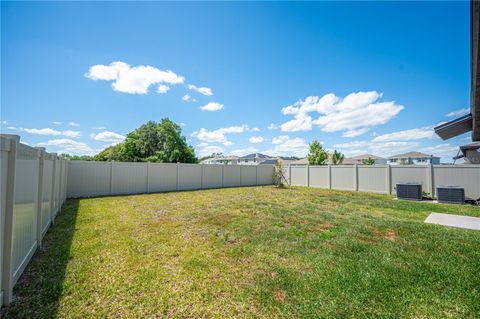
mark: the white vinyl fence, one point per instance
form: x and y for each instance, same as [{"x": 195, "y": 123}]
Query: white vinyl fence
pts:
[
  {"x": 383, "y": 178},
  {"x": 33, "y": 189},
  {"x": 87, "y": 178}
]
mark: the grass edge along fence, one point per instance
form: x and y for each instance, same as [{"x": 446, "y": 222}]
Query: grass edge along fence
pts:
[{"x": 33, "y": 190}]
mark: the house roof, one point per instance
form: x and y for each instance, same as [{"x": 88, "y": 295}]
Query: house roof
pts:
[
  {"x": 366, "y": 156},
  {"x": 220, "y": 158},
  {"x": 256, "y": 155},
  {"x": 469, "y": 122},
  {"x": 411, "y": 154}
]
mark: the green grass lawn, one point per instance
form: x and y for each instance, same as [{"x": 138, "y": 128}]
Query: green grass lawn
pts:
[{"x": 252, "y": 252}]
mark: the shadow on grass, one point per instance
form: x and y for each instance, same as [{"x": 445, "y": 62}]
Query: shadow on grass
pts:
[{"x": 38, "y": 291}]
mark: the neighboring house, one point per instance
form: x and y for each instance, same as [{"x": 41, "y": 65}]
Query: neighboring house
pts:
[
  {"x": 304, "y": 161},
  {"x": 413, "y": 158},
  {"x": 470, "y": 153},
  {"x": 253, "y": 159},
  {"x": 221, "y": 160},
  {"x": 360, "y": 158}
]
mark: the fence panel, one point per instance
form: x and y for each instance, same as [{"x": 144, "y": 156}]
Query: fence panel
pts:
[
  {"x": 46, "y": 190},
  {"x": 27, "y": 180},
  {"x": 343, "y": 177},
  {"x": 189, "y": 176},
  {"x": 299, "y": 175},
  {"x": 89, "y": 179},
  {"x": 467, "y": 176},
  {"x": 212, "y": 176},
  {"x": 265, "y": 174},
  {"x": 248, "y": 175},
  {"x": 319, "y": 176},
  {"x": 231, "y": 176},
  {"x": 24, "y": 209},
  {"x": 414, "y": 174},
  {"x": 129, "y": 178},
  {"x": 4, "y": 152},
  {"x": 372, "y": 178},
  {"x": 162, "y": 177}
]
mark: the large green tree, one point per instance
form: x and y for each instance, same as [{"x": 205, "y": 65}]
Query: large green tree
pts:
[
  {"x": 152, "y": 142},
  {"x": 317, "y": 155}
]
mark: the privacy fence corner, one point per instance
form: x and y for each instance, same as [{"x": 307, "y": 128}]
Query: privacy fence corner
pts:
[{"x": 33, "y": 189}]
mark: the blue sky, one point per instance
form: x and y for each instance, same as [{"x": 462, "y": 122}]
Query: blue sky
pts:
[{"x": 362, "y": 77}]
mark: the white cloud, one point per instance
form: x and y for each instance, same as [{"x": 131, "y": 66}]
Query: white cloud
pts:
[
  {"x": 73, "y": 124},
  {"x": 219, "y": 135},
  {"x": 244, "y": 151},
  {"x": 186, "y": 97},
  {"x": 407, "y": 135},
  {"x": 99, "y": 128},
  {"x": 162, "y": 88},
  {"x": 255, "y": 129},
  {"x": 441, "y": 150},
  {"x": 4, "y": 122},
  {"x": 202, "y": 90},
  {"x": 108, "y": 136},
  {"x": 460, "y": 112},
  {"x": 66, "y": 145},
  {"x": 286, "y": 146},
  {"x": 355, "y": 133},
  {"x": 57, "y": 123},
  {"x": 272, "y": 126},
  {"x": 377, "y": 148},
  {"x": 13, "y": 128},
  {"x": 212, "y": 107},
  {"x": 255, "y": 139},
  {"x": 301, "y": 122},
  {"x": 49, "y": 131},
  {"x": 355, "y": 113},
  {"x": 355, "y": 144},
  {"x": 133, "y": 80}
]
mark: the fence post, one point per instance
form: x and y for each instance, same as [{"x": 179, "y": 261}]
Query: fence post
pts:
[
  {"x": 355, "y": 176},
  {"x": 176, "y": 185},
  {"x": 389, "y": 179},
  {"x": 308, "y": 175},
  {"x": 39, "y": 198},
  {"x": 7, "y": 278},
  {"x": 223, "y": 175},
  {"x": 329, "y": 176},
  {"x": 52, "y": 190},
  {"x": 240, "y": 174},
  {"x": 148, "y": 177},
  {"x": 290, "y": 175},
  {"x": 111, "y": 177},
  {"x": 60, "y": 171},
  {"x": 431, "y": 180}
]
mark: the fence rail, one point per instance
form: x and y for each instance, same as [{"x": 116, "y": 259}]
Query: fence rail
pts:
[
  {"x": 114, "y": 178},
  {"x": 383, "y": 178},
  {"x": 33, "y": 189}
]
